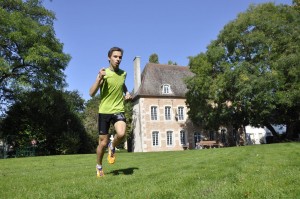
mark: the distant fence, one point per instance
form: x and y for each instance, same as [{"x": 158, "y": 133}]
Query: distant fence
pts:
[
  {"x": 18, "y": 152},
  {"x": 25, "y": 152}
]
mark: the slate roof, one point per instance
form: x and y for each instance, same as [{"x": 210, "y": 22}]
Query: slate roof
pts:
[{"x": 156, "y": 75}]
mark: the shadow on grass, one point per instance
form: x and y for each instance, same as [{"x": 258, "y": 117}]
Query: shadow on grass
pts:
[{"x": 128, "y": 171}]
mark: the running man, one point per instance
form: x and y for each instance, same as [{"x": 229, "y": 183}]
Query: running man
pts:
[{"x": 111, "y": 82}]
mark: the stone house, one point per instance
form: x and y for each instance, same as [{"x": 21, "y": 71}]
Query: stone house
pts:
[{"x": 160, "y": 120}]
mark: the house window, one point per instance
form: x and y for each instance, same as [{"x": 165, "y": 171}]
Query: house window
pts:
[
  {"x": 223, "y": 136},
  {"x": 211, "y": 135},
  {"x": 180, "y": 113},
  {"x": 167, "y": 113},
  {"x": 155, "y": 138},
  {"x": 197, "y": 137},
  {"x": 169, "y": 138},
  {"x": 235, "y": 136},
  {"x": 153, "y": 112},
  {"x": 166, "y": 89},
  {"x": 182, "y": 137}
]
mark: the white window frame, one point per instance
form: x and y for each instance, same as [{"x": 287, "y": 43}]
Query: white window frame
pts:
[
  {"x": 182, "y": 137},
  {"x": 169, "y": 138},
  {"x": 180, "y": 113},
  {"x": 154, "y": 116},
  {"x": 168, "y": 113},
  {"x": 166, "y": 89},
  {"x": 155, "y": 138}
]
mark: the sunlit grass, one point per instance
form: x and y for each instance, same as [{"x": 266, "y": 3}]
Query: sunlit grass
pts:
[{"x": 261, "y": 171}]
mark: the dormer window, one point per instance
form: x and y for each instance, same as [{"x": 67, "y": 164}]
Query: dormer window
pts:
[{"x": 166, "y": 89}]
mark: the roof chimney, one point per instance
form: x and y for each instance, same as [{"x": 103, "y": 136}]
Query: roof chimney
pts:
[{"x": 137, "y": 73}]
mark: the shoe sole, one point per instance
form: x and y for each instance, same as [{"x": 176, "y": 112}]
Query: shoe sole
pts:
[{"x": 111, "y": 160}]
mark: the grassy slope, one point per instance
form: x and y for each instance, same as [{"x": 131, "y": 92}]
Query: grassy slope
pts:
[{"x": 261, "y": 171}]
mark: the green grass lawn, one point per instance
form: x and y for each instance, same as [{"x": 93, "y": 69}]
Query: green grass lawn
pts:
[{"x": 259, "y": 171}]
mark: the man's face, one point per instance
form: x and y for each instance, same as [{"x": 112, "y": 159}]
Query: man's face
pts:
[{"x": 115, "y": 59}]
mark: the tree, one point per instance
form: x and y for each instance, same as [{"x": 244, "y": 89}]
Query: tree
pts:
[
  {"x": 250, "y": 74},
  {"x": 153, "y": 58},
  {"x": 129, "y": 128},
  {"x": 296, "y": 3},
  {"x": 52, "y": 117},
  {"x": 90, "y": 117},
  {"x": 171, "y": 63},
  {"x": 31, "y": 57}
]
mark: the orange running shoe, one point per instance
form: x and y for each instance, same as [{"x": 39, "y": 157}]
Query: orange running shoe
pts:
[
  {"x": 111, "y": 154},
  {"x": 100, "y": 172}
]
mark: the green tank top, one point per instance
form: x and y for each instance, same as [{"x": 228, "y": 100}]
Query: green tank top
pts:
[{"x": 111, "y": 92}]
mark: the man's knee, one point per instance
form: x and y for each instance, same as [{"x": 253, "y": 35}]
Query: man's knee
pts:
[
  {"x": 103, "y": 141},
  {"x": 103, "y": 144},
  {"x": 120, "y": 127},
  {"x": 120, "y": 135}
]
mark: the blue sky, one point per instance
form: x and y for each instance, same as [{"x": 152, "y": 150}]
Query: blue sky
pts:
[{"x": 173, "y": 29}]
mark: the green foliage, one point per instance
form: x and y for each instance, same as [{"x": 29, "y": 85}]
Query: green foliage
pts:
[
  {"x": 170, "y": 62},
  {"x": 51, "y": 117},
  {"x": 250, "y": 74},
  {"x": 154, "y": 58},
  {"x": 264, "y": 171},
  {"x": 128, "y": 115},
  {"x": 90, "y": 117},
  {"x": 31, "y": 57},
  {"x": 296, "y": 3}
]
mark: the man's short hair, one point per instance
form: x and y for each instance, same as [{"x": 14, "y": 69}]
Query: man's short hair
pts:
[{"x": 114, "y": 49}]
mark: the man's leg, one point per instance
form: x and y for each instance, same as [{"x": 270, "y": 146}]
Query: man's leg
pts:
[
  {"x": 102, "y": 143},
  {"x": 120, "y": 128}
]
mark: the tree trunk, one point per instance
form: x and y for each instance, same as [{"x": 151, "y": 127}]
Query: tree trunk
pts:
[
  {"x": 293, "y": 130},
  {"x": 270, "y": 127}
]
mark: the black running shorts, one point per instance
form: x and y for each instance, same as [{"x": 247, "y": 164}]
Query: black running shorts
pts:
[{"x": 104, "y": 121}]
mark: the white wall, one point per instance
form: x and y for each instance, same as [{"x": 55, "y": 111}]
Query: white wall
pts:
[{"x": 255, "y": 135}]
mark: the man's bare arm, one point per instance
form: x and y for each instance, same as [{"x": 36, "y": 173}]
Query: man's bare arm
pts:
[
  {"x": 127, "y": 94},
  {"x": 98, "y": 82}
]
